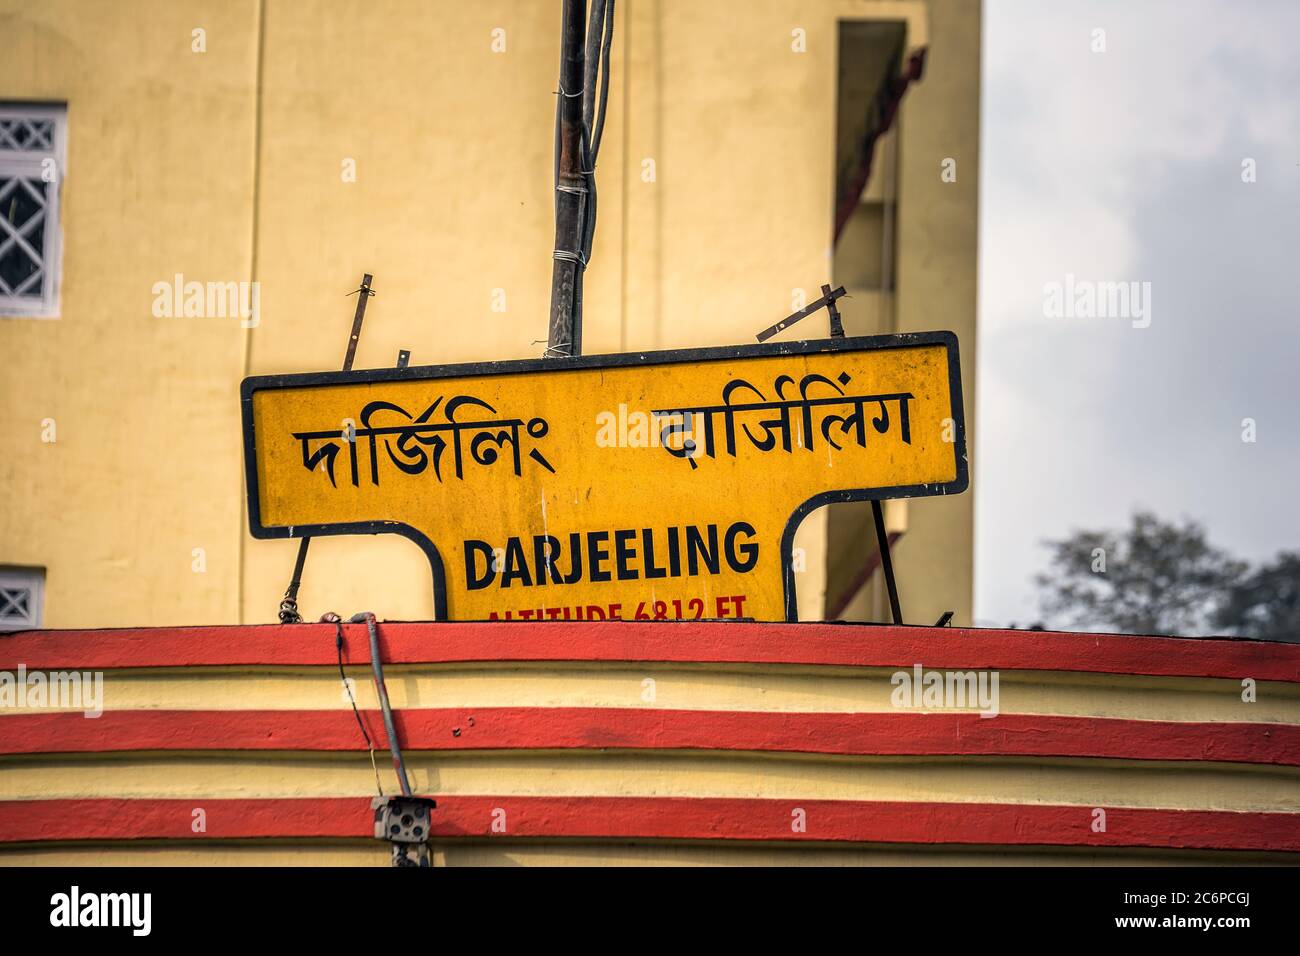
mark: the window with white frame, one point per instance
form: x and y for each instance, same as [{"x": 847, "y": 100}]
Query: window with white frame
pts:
[
  {"x": 22, "y": 596},
  {"x": 33, "y": 149}
]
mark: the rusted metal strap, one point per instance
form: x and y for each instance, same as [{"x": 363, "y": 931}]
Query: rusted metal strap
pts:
[
  {"x": 289, "y": 604},
  {"x": 826, "y": 301}
]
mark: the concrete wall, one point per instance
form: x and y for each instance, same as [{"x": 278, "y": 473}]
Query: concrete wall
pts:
[{"x": 647, "y": 743}]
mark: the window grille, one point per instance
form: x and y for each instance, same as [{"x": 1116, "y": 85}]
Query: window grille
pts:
[{"x": 32, "y": 156}]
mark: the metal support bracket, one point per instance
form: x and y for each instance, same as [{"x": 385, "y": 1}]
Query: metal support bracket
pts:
[
  {"x": 827, "y": 301},
  {"x": 886, "y": 560},
  {"x": 289, "y": 613},
  {"x": 404, "y": 822}
]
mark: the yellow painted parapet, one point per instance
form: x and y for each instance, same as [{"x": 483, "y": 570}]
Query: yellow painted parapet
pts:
[{"x": 651, "y": 743}]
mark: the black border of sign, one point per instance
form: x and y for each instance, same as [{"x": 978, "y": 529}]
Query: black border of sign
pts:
[{"x": 618, "y": 360}]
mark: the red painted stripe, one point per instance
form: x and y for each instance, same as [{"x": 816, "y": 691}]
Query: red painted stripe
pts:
[
  {"x": 717, "y": 643},
  {"x": 594, "y": 728},
  {"x": 23, "y": 821},
  {"x": 658, "y": 818}
]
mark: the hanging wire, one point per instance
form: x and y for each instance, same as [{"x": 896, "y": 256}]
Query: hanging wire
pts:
[{"x": 331, "y": 618}]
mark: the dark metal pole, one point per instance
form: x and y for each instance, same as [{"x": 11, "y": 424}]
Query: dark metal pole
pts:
[{"x": 565, "y": 333}]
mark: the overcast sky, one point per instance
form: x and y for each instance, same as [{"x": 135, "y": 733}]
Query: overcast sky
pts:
[{"x": 1126, "y": 165}]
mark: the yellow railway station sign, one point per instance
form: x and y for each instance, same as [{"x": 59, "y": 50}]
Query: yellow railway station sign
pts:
[{"x": 643, "y": 486}]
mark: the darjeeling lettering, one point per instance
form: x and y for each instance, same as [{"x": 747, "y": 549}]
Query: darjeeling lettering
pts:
[{"x": 612, "y": 555}]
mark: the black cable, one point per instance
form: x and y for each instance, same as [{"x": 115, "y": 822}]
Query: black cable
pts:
[
  {"x": 556, "y": 178},
  {"x": 604, "y": 80},
  {"x": 338, "y": 646},
  {"x": 591, "y": 62},
  {"x": 589, "y": 208},
  {"x": 590, "y": 139}
]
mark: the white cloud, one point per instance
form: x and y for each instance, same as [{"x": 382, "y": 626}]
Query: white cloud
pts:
[{"x": 1106, "y": 166}]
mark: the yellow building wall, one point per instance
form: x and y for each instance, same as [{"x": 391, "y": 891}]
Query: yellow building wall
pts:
[
  {"x": 716, "y": 183},
  {"x": 159, "y": 180},
  {"x": 937, "y": 241}
]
